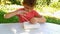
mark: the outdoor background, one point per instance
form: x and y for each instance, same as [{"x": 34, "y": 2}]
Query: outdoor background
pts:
[{"x": 50, "y": 9}]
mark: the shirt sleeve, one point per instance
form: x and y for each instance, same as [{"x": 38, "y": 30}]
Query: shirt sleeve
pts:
[{"x": 36, "y": 14}]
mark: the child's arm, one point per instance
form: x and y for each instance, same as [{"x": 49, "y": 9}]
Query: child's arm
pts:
[
  {"x": 8, "y": 15},
  {"x": 11, "y": 14},
  {"x": 41, "y": 18}
]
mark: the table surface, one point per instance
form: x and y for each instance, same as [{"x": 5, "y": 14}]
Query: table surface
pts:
[{"x": 16, "y": 28}]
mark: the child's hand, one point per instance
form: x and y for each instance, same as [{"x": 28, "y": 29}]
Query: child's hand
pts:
[{"x": 33, "y": 20}]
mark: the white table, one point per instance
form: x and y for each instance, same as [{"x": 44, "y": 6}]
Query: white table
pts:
[{"x": 16, "y": 28}]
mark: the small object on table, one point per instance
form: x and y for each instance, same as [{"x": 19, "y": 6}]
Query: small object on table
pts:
[{"x": 28, "y": 26}]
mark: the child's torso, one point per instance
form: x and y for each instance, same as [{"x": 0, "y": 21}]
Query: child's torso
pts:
[{"x": 26, "y": 17}]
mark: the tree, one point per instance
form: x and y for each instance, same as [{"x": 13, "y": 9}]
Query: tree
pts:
[
  {"x": 59, "y": 0},
  {"x": 48, "y": 2},
  {"x": 18, "y": 2}
]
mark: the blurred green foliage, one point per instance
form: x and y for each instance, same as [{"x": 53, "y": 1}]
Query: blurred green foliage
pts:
[
  {"x": 55, "y": 5},
  {"x": 52, "y": 20},
  {"x": 9, "y": 2},
  {"x": 18, "y": 2},
  {"x": 13, "y": 19}
]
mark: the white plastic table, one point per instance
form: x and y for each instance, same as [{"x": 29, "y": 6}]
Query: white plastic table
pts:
[{"x": 16, "y": 28}]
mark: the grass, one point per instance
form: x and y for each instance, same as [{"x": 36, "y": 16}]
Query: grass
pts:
[
  {"x": 52, "y": 20},
  {"x": 13, "y": 19}
]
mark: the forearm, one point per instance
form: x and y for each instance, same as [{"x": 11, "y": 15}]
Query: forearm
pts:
[
  {"x": 42, "y": 20},
  {"x": 8, "y": 15}
]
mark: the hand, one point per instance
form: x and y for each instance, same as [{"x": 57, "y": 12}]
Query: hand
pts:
[
  {"x": 41, "y": 20},
  {"x": 33, "y": 20}
]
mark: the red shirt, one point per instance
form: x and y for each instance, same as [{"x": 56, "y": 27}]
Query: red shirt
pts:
[{"x": 28, "y": 16}]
